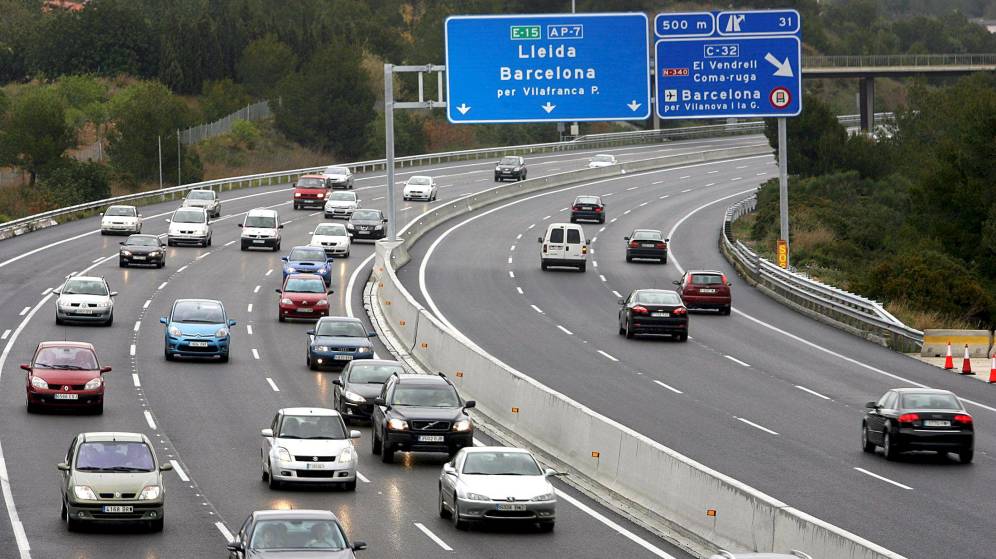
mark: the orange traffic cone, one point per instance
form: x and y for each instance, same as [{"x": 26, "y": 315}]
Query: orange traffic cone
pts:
[
  {"x": 948, "y": 360},
  {"x": 966, "y": 364},
  {"x": 992, "y": 371}
]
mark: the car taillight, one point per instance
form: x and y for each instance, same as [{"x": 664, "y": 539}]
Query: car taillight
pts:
[
  {"x": 909, "y": 418},
  {"x": 640, "y": 309},
  {"x": 598, "y": 209},
  {"x": 724, "y": 279},
  {"x": 584, "y": 249},
  {"x": 576, "y": 208},
  {"x": 680, "y": 311},
  {"x": 633, "y": 244},
  {"x": 544, "y": 248},
  {"x": 963, "y": 419},
  {"x": 661, "y": 245}
]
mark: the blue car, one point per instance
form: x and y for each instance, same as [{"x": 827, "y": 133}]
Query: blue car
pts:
[
  {"x": 337, "y": 340},
  {"x": 197, "y": 328},
  {"x": 308, "y": 260}
]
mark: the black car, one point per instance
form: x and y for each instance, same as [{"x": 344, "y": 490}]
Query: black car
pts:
[
  {"x": 142, "y": 249},
  {"x": 510, "y": 167},
  {"x": 420, "y": 413},
  {"x": 646, "y": 243},
  {"x": 588, "y": 207},
  {"x": 906, "y": 419},
  {"x": 653, "y": 311},
  {"x": 367, "y": 224},
  {"x": 358, "y": 386},
  {"x": 292, "y": 533}
]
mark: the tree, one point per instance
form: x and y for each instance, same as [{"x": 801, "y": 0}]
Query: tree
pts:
[
  {"x": 815, "y": 139},
  {"x": 223, "y": 97},
  {"x": 142, "y": 113},
  {"x": 76, "y": 182},
  {"x": 264, "y": 63},
  {"x": 34, "y": 133}
]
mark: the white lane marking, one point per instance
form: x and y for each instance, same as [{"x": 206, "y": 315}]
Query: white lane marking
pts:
[
  {"x": 602, "y": 229},
  {"x": 593, "y": 240},
  {"x": 97, "y": 260},
  {"x": 5, "y": 334},
  {"x": 760, "y": 174},
  {"x": 741, "y": 166},
  {"x": 47, "y": 291},
  {"x": 756, "y": 426},
  {"x": 563, "y": 209},
  {"x": 675, "y": 227},
  {"x": 312, "y": 214},
  {"x": 24, "y": 311},
  {"x": 658, "y": 182},
  {"x": 149, "y": 420},
  {"x": 663, "y": 197},
  {"x": 669, "y": 387},
  {"x": 813, "y": 392},
  {"x": 249, "y": 329},
  {"x": 273, "y": 385},
  {"x": 601, "y": 277},
  {"x": 138, "y": 324},
  {"x": 179, "y": 471},
  {"x": 608, "y": 194},
  {"x": 565, "y": 330},
  {"x": 614, "y": 526},
  {"x": 627, "y": 212},
  {"x": 531, "y": 226},
  {"x": 209, "y": 252},
  {"x": 607, "y": 356},
  {"x": 519, "y": 236},
  {"x": 685, "y": 177},
  {"x": 551, "y": 169},
  {"x": 511, "y": 248},
  {"x": 255, "y": 353},
  {"x": 736, "y": 179},
  {"x": 686, "y": 190},
  {"x": 885, "y": 479},
  {"x": 546, "y": 217},
  {"x": 268, "y": 272},
  {"x": 162, "y": 285},
  {"x": 737, "y": 361},
  {"x": 519, "y": 289},
  {"x": 181, "y": 268},
  {"x": 378, "y": 198},
  {"x": 131, "y": 350},
  {"x": 594, "y": 263},
  {"x": 710, "y": 184},
  {"x": 537, "y": 309},
  {"x": 224, "y": 531},
  {"x": 509, "y": 259},
  {"x": 433, "y": 537},
  {"x": 613, "y": 220},
  {"x": 229, "y": 243},
  {"x": 632, "y": 188},
  {"x": 249, "y": 308},
  {"x": 644, "y": 204},
  {"x": 617, "y": 294},
  {"x": 712, "y": 172},
  {"x": 147, "y": 303},
  {"x": 256, "y": 289},
  {"x": 511, "y": 274},
  {"x": 352, "y": 282},
  {"x": 135, "y": 380},
  {"x": 362, "y": 477}
]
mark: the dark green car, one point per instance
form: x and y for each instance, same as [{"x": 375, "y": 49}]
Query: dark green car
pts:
[{"x": 112, "y": 477}]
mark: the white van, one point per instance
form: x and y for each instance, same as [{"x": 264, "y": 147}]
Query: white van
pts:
[
  {"x": 261, "y": 229},
  {"x": 564, "y": 245}
]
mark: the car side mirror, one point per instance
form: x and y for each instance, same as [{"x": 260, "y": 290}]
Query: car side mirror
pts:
[
  {"x": 238, "y": 225},
  {"x": 139, "y": 215},
  {"x": 359, "y": 546},
  {"x": 448, "y": 469},
  {"x": 266, "y": 432},
  {"x": 729, "y": 284},
  {"x": 337, "y": 382},
  {"x": 371, "y": 334},
  {"x": 26, "y": 367},
  {"x": 114, "y": 293},
  {"x": 385, "y": 220},
  {"x": 310, "y": 332},
  {"x": 470, "y": 404},
  {"x": 234, "y": 546},
  {"x": 668, "y": 240},
  {"x": 380, "y": 402},
  {"x": 539, "y": 239},
  {"x": 62, "y": 466},
  {"x": 330, "y": 292},
  {"x": 284, "y": 258},
  {"x": 57, "y": 292},
  {"x": 354, "y": 434},
  {"x": 121, "y": 243},
  {"x": 587, "y": 242},
  {"x": 625, "y": 238},
  {"x": 279, "y": 292},
  {"x": 166, "y": 467},
  {"x": 105, "y": 370},
  {"x": 551, "y": 472},
  {"x": 676, "y": 282},
  {"x": 231, "y": 322},
  {"x": 162, "y": 320},
  {"x": 281, "y": 226},
  {"x": 872, "y": 405}
]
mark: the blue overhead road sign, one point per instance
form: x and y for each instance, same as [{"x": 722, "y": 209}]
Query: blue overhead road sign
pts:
[
  {"x": 748, "y": 67},
  {"x": 547, "y": 68}
]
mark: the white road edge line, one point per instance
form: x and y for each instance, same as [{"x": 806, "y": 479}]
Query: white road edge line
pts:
[
  {"x": 249, "y": 308},
  {"x": 149, "y": 420},
  {"x": 131, "y": 350},
  {"x": 273, "y": 385},
  {"x": 607, "y": 356},
  {"x": 885, "y": 479},
  {"x": 813, "y": 392},
  {"x": 756, "y": 426},
  {"x": 614, "y": 526},
  {"x": 256, "y": 289},
  {"x": 433, "y": 537},
  {"x": 669, "y": 387},
  {"x": 181, "y": 268},
  {"x": 138, "y": 324},
  {"x": 147, "y": 303},
  {"x": 179, "y": 471},
  {"x": 519, "y": 289},
  {"x": 737, "y": 361},
  {"x": 352, "y": 282},
  {"x": 224, "y": 531}
]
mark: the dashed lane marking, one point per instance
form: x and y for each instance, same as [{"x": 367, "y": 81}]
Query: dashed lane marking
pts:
[
  {"x": 669, "y": 387},
  {"x": 607, "y": 356},
  {"x": 149, "y": 420},
  {"x": 756, "y": 426}
]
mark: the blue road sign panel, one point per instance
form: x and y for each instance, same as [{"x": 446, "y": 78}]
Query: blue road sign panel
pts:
[
  {"x": 547, "y": 68},
  {"x": 686, "y": 24},
  {"x": 732, "y": 74}
]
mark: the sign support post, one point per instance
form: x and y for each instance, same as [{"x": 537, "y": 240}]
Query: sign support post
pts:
[{"x": 783, "y": 195}]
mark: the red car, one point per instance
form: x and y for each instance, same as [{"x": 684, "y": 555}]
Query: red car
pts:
[
  {"x": 705, "y": 289},
  {"x": 310, "y": 192},
  {"x": 303, "y": 296},
  {"x": 65, "y": 375}
]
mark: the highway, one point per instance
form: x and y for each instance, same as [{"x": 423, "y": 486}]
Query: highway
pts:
[
  {"x": 206, "y": 416},
  {"x": 766, "y": 395}
]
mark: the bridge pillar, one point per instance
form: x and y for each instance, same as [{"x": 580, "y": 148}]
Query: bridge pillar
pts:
[{"x": 867, "y": 102}]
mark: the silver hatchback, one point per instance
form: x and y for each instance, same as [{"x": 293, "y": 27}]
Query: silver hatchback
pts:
[{"x": 85, "y": 299}]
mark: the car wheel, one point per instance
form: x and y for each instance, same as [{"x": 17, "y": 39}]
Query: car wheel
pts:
[
  {"x": 726, "y": 310},
  {"x": 264, "y": 475},
  {"x": 243, "y": 247},
  {"x": 99, "y": 408},
  {"x": 32, "y": 408},
  {"x": 682, "y": 337},
  {"x": 546, "y": 527},
  {"x": 122, "y": 263},
  {"x": 59, "y": 321},
  {"x": 167, "y": 354},
  {"x": 582, "y": 267},
  {"x": 349, "y": 485},
  {"x": 208, "y": 242},
  {"x": 629, "y": 330},
  {"x": 543, "y": 266},
  {"x": 889, "y": 446},
  {"x": 375, "y": 446},
  {"x": 311, "y": 366},
  {"x": 458, "y": 523},
  {"x": 280, "y": 318},
  {"x": 866, "y": 444},
  {"x": 157, "y": 525},
  {"x": 346, "y": 255},
  {"x": 662, "y": 261},
  {"x": 629, "y": 258},
  {"x": 386, "y": 453},
  {"x": 443, "y": 511},
  {"x": 574, "y": 219},
  {"x": 602, "y": 219},
  {"x": 110, "y": 320},
  {"x": 224, "y": 357},
  {"x": 169, "y": 243},
  {"x": 72, "y": 524},
  {"x": 965, "y": 455},
  {"x": 272, "y": 482}
]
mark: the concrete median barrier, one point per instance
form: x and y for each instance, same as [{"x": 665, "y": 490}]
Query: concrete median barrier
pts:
[{"x": 935, "y": 343}]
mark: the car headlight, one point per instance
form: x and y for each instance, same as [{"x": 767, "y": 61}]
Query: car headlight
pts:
[
  {"x": 150, "y": 493},
  {"x": 320, "y": 195},
  {"x": 125, "y": 253},
  {"x": 322, "y": 302},
  {"x": 103, "y": 304},
  {"x": 477, "y": 497},
  {"x": 286, "y": 301},
  {"x": 175, "y": 332},
  {"x": 348, "y": 455},
  {"x": 353, "y": 397},
  {"x": 84, "y": 493},
  {"x": 397, "y": 424},
  {"x": 545, "y": 497},
  {"x": 297, "y": 194},
  {"x": 350, "y": 226},
  {"x": 62, "y": 304},
  {"x": 379, "y": 227},
  {"x": 221, "y": 333},
  {"x": 290, "y": 269},
  {"x": 93, "y": 384},
  {"x": 320, "y": 348},
  {"x": 155, "y": 253},
  {"x": 462, "y": 426},
  {"x": 283, "y": 455},
  {"x": 497, "y": 168},
  {"x": 39, "y": 382}
]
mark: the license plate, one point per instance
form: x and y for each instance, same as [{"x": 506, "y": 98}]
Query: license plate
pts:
[
  {"x": 257, "y": 241},
  {"x": 510, "y": 506},
  {"x": 316, "y": 466},
  {"x": 198, "y": 344},
  {"x": 67, "y": 396},
  {"x": 661, "y": 314},
  {"x": 430, "y": 438},
  {"x": 707, "y": 291},
  {"x": 138, "y": 258},
  {"x": 936, "y": 423},
  {"x": 83, "y": 311},
  {"x": 343, "y": 357},
  {"x": 648, "y": 245},
  {"x": 303, "y": 310},
  {"x": 118, "y": 508}
]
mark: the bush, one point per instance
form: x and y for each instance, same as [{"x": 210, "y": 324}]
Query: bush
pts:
[
  {"x": 222, "y": 98},
  {"x": 75, "y": 182},
  {"x": 245, "y": 134}
]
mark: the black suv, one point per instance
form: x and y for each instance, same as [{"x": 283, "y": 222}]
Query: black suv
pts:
[
  {"x": 510, "y": 167},
  {"x": 420, "y": 413}
]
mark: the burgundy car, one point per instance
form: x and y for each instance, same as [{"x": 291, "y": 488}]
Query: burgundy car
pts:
[
  {"x": 65, "y": 375},
  {"x": 303, "y": 296},
  {"x": 705, "y": 289}
]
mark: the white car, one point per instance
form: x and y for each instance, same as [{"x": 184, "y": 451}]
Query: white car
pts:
[
  {"x": 308, "y": 445},
  {"x": 338, "y": 177},
  {"x": 332, "y": 237},
  {"x": 120, "y": 219},
  {"x": 601, "y": 160},
  {"x": 420, "y": 187},
  {"x": 207, "y": 199},
  {"x": 564, "y": 245},
  {"x": 340, "y": 204},
  {"x": 189, "y": 226},
  {"x": 85, "y": 299},
  {"x": 261, "y": 229}
]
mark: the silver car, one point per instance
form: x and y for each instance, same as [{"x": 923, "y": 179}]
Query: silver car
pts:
[
  {"x": 120, "y": 219},
  {"x": 85, "y": 299},
  {"x": 338, "y": 177},
  {"x": 290, "y": 534},
  {"x": 492, "y": 483},
  {"x": 340, "y": 204},
  {"x": 207, "y": 199},
  {"x": 308, "y": 445}
]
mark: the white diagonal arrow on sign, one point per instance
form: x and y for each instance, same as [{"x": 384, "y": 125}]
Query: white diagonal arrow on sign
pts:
[
  {"x": 548, "y": 107},
  {"x": 463, "y": 108},
  {"x": 784, "y": 69},
  {"x": 633, "y": 105}
]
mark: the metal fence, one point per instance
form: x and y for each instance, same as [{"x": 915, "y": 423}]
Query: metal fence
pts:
[
  {"x": 857, "y": 61},
  {"x": 255, "y": 111},
  {"x": 849, "y": 311}
]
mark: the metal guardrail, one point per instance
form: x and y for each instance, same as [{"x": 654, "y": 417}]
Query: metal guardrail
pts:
[
  {"x": 856, "y": 61},
  {"x": 856, "y": 313}
]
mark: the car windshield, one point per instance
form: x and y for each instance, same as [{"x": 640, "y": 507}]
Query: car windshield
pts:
[
  {"x": 115, "y": 456},
  {"x": 426, "y": 396},
  {"x": 336, "y": 171},
  {"x": 929, "y": 401},
  {"x": 706, "y": 279},
  {"x": 189, "y": 216},
  {"x": 331, "y": 230},
  {"x": 263, "y": 221},
  {"x": 603, "y": 159},
  {"x": 586, "y": 200},
  {"x": 307, "y": 255},
  {"x": 305, "y": 285},
  {"x": 84, "y": 287},
  {"x": 420, "y": 180},
  {"x": 69, "y": 358},
  {"x": 311, "y": 183},
  {"x": 657, "y": 298},
  {"x": 342, "y": 196},
  {"x": 201, "y": 195},
  {"x": 312, "y": 427},
  {"x": 341, "y": 328},
  {"x": 207, "y": 312},
  {"x": 124, "y": 211},
  {"x": 298, "y": 534},
  {"x": 509, "y": 161},
  {"x": 366, "y": 215},
  {"x": 362, "y": 373},
  {"x": 142, "y": 241},
  {"x": 647, "y": 236},
  {"x": 500, "y": 463}
]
